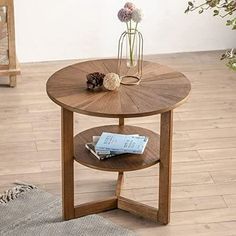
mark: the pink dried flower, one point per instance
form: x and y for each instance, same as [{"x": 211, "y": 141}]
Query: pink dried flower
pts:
[
  {"x": 130, "y": 6},
  {"x": 137, "y": 15},
  {"x": 125, "y": 15}
]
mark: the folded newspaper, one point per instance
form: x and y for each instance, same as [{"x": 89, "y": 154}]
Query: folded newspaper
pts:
[{"x": 110, "y": 144}]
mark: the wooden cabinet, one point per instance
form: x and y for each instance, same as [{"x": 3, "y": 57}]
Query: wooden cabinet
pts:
[{"x": 8, "y": 62}]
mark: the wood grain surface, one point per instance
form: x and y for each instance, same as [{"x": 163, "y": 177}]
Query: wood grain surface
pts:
[
  {"x": 67, "y": 163},
  {"x": 95, "y": 207},
  {"x": 127, "y": 162},
  {"x": 161, "y": 89}
]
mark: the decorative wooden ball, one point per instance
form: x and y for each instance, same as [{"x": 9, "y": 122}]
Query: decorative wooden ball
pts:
[{"x": 111, "y": 81}]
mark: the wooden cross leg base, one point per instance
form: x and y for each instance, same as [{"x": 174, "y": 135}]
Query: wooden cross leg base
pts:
[
  {"x": 115, "y": 202},
  {"x": 70, "y": 211}
]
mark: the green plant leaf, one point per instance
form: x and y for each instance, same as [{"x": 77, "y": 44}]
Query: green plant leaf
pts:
[
  {"x": 190, "y": 4},
  {"x": 187, "y": 10},
  {"x": 201, "y": 11},
  {"x": 216, "y": 12}
]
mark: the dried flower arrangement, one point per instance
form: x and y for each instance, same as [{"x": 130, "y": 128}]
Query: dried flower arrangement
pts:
[
  {"x": 132, "y": 16},
  {"x": 94, "y": 80},
  {"x": 222, "y": 8}
]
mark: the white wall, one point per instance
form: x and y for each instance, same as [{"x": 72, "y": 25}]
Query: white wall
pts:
[{"x": 70, "y": 29}]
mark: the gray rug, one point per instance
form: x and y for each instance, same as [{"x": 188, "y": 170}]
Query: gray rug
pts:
[{"x": 28, "y": 211}]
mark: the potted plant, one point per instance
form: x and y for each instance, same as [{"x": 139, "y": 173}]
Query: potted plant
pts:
[{"x": 223, "y": 9}]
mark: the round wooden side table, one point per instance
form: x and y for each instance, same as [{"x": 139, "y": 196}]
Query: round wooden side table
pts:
[{"x": 160, "y": 91}]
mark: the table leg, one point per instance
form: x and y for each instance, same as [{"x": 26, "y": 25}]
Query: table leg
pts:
[
  {"x": 119, "y": 184},
  {"x": 165, "y": 167},
  {"x": 67, "y": 164},
  {"x": 121, "y": 121},
  {"x": 12, "y": 81}
]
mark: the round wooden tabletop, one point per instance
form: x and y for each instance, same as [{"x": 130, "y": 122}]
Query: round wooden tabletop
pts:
[
  {"x": 161, "y": 89},
  {"x": 125, "y": 162}
]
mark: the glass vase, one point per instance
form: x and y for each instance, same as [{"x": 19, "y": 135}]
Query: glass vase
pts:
[{"x": 130, "y": 57}]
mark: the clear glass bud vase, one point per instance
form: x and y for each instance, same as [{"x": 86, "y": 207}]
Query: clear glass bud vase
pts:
[
  {"x": 130, "y": 57},
  {"x": 132, "y": 48}
]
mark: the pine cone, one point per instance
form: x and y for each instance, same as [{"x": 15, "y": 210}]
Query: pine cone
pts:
[{"x": 94, "y": 80}]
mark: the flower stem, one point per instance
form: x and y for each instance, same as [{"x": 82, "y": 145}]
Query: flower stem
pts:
[
  {"x": 128, "y": 32},
  {"x": 134, "y": 38},
  {"x": 130, "y": 41}
]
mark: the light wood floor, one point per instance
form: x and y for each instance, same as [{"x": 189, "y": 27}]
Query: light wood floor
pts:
[{"x": 204, "y": 157}]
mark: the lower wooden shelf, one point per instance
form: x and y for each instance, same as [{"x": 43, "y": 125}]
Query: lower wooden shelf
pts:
[{"x": 122, "y": 163}]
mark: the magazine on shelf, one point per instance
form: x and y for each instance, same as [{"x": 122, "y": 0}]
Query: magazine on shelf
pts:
[
  {"x": 100, "y": 156},
  {"x": 114, "y": 150},
  {"x": 121, "y": 143}
]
